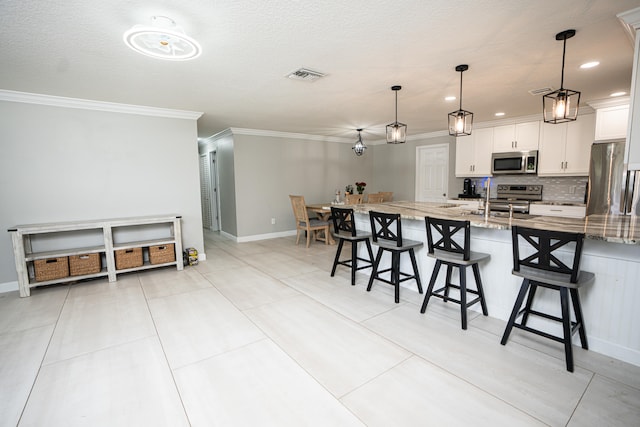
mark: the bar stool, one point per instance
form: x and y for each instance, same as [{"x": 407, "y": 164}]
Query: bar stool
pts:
[
  {"x": 544, "y": 268},
  {"x": 449, "y": 252},
  {"x": 344, "y": 229},
  {"x": 386, "y": 230}
]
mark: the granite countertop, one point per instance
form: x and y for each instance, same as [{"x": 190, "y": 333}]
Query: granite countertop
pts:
[{"x": 610, "y": 228}]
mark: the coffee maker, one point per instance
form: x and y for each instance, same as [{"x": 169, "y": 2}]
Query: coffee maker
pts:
[{"x": 468, "y": 190}]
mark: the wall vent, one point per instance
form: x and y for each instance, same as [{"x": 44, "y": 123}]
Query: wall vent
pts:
[
  {"x": 541, "y": 91},
  {"x": 306, "y": 75}
]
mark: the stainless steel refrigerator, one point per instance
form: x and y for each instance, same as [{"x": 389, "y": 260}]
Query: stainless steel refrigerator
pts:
[{"x": 611, "y": 188}]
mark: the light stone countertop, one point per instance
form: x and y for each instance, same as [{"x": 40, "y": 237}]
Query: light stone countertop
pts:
[{"x": 609, "y": 228}]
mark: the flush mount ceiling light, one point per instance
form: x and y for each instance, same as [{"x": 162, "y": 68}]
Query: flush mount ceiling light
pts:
[
  {"x": 460, "y": 121},
  {"x": 396, "y": 131},
  {"x": 561, "y": 105},
  {"x": 162, "y": 39},
  {"x": 359, "y": 146}
]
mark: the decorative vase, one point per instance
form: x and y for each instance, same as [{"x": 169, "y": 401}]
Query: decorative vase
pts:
[{"x": 360, "y": 191}]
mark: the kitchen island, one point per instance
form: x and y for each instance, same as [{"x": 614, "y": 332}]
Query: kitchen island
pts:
[{"x": 611, "y": 251}]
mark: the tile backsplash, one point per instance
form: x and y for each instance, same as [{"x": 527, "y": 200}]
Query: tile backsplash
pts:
[{"x": 554, "y": 189}]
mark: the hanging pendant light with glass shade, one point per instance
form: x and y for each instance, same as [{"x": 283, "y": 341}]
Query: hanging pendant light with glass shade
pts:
[
  {"x": 460, "y": 121},
  {"x": 396, "y": 131},
  {"x": 359, "y": 146},
  {"x": 561, "y": 105}
]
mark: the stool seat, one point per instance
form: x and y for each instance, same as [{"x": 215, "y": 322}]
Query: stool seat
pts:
[
  {"x": 392, "y": 246},
  {"x": 553, "y": 278},
  {"x": 542, "y": 267},
  {"x": 474, "y": 257},
  {"x": 443, "y": 246},
  {"x": 344, "y": 230}
]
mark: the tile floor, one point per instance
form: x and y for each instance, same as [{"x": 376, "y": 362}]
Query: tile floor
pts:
[{"x": 261, "y": 335}]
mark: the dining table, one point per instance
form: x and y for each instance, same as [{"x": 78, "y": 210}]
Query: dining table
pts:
[{"x": 323, "y": 212}]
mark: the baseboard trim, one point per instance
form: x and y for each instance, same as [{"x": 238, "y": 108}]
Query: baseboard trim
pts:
[
  {"x": 8, "y": 287},
  {"x": 267, "y": 236}
]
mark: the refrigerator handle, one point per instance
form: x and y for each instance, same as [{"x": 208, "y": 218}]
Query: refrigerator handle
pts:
[{"x": 629, "y": 190}]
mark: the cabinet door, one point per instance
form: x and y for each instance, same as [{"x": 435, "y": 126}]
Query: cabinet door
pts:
[
  {"x": 504, "y": 138},
  {"x": 551, "y": 156},
  {"x": 464, "y": 156},
  {"x": 579, "y": 140},
  {"x": 611, "y": 122},
  {"x": 483, "y": 147},
  {"x": 527, "y": 136}
]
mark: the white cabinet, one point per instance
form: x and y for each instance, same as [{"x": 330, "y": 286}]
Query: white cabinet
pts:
[
  {"x": 473, "y": 153},
  {"x": 564, "y": 211},
  {"x": 611, "y": 122},
  {"x": 56, "y": 242},
  {"x": 518, "y": 137},
  {"x": 565, "y": 148}
]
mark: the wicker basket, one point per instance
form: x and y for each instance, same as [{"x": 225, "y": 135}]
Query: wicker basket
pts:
[
  {"x": 84, "y": 264},
  {"x": 161, "y": 254},
  {"x": 51, "y": 268},
  {"x": 128, "y": 258}
]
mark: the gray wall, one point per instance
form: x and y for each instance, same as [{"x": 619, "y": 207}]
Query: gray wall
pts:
[
  {"x": 258, "y": 173},
  {"x": 63, "y": 164}
]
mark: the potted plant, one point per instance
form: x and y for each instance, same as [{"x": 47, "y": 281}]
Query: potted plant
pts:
[
  {"x": 360, "y": 187},
  {"x": 348, "y": 189}
]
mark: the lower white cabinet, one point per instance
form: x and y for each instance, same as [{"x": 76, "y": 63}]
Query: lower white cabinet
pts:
[
  {"x": 565, "y": 211},
  {"x": 44, "y": 252},
  {"x": 565, "y": 148}
]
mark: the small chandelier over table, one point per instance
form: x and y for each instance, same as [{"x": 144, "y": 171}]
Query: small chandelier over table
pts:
[{"x": 359, "y": 146}]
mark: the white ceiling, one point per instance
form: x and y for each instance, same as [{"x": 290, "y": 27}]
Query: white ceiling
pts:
[{"x": 74, "y": 48}]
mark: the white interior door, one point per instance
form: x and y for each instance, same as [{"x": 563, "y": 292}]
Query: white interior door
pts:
[
  {"x": 205, "y": 191},
  {"x": 213, "y": 192},
  {"x": 432, "y": 173}
]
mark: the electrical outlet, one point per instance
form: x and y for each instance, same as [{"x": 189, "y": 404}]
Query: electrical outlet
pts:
[{"x": 273, "y": 221}]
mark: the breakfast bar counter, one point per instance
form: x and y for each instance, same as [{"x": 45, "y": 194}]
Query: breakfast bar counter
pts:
[{"x": 611, "y": 251}]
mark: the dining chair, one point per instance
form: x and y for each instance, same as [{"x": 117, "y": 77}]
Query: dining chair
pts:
[
  {"x": 386, "y": 230},
  {"x": 310, "y": 226},
  {"x": 344, "y": 229},
  {"x": 387, "y": 196},
  {"x": 449, "y": 242},
  {"x": 353, "y": 199},
  {"x": 545, "y": 265},
  {"x": 375, "y": 198}
]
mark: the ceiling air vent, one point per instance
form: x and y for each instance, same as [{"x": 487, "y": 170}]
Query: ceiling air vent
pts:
[
  {"x": 306, "y": 75},
  {"x": 541, "y": 91}
]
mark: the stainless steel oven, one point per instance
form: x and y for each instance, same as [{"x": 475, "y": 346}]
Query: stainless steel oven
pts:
[
  {"x": 514, "y": 163},
  {"x": 515, "y": 198}
]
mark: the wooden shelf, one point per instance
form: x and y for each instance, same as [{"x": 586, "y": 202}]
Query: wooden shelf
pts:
[{"x": 62, "y": 233}]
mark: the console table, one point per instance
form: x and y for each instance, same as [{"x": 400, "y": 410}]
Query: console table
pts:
[{"x": 33, "y": 242}]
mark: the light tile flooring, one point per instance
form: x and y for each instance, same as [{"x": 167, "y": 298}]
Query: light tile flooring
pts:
[{"x": 261, "y": 335}]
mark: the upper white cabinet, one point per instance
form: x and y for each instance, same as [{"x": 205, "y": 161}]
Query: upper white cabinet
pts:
[
  {"x": 518, "y": 137},
  {"x": 473, "y": 153},
  {"x": 565, "y": 148},
  {"x": 612, "y": 122},
  {"x": 632, "y": 155}
]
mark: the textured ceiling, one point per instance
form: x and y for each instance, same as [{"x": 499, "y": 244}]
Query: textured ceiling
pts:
[{"x": 74, "y": 49}]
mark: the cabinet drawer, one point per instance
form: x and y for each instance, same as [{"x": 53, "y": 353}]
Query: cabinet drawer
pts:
[{"x": 558, "y": 210}]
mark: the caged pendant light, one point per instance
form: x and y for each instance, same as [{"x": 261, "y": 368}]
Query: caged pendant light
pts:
[
  {"x": 359, "y": 146},
  {"x": 561, "y": 105},
  {"x": 460, "y": 121},
  {"x": 396, "y": 131}
]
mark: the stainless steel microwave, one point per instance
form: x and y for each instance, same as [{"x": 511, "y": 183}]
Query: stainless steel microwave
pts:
[{"x": 514, "y": 163}]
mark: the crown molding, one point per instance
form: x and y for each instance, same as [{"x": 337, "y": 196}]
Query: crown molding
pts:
[
  {"x": 86, "y": 104},
  {"x": 291, "y": 135},
  {"x": 630, "y": 20},
  {"x": 609, "y": 102}
]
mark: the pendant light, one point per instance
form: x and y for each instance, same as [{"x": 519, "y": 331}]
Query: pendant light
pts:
[
  {"x": 396, "y": 131},
  {"x": 460, "y": 121},
  {"x": 359, "y": 146},
  {"x": 561, "y": 105}
]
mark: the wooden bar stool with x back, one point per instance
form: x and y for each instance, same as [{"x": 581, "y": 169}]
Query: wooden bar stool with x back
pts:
[
  {"x": 386, "y": 230},
  {"x": 537, "y": 259},
  {"x": 442, "y": 246},
  {"x": 344, "y": 229}
]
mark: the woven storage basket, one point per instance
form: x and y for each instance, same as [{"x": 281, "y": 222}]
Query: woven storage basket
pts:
[
  {"x": 51, "y": 268},
  {"x": 128, "y": 258},
  {"x": 84, "y": 264},
  {"x": 162, "y": 253}
]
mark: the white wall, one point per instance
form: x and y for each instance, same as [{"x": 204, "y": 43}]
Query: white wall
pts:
[{"x": 62, "y": 164}]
